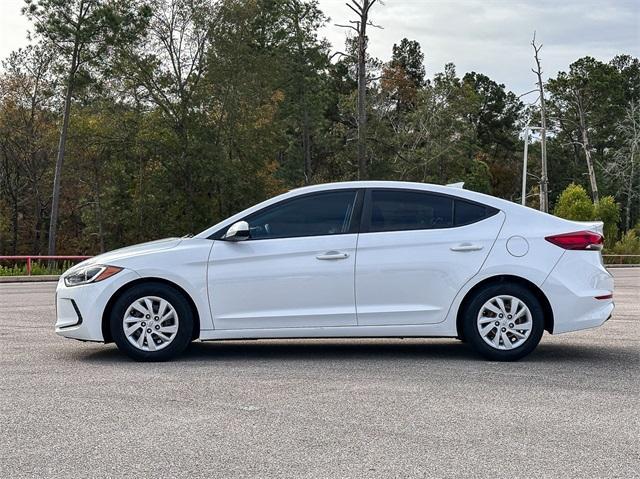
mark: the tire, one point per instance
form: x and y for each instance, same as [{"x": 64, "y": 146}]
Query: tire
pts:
[
  {"x": 498, "y": 332},
  {"x": 145, "y": 333}
]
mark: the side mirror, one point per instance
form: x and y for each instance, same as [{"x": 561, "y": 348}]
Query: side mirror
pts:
[{"x": 238, "y": 231}]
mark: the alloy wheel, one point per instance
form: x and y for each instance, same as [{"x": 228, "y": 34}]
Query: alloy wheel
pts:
[
  {"x": 504, "y": 322},
  {"x": 150, "y": 323}
]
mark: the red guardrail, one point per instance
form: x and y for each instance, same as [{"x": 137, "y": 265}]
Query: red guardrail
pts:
[{"x": 29, "y": 258}]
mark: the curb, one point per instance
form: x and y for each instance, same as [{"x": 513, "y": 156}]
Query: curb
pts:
[{"x": 29, "y": 279}]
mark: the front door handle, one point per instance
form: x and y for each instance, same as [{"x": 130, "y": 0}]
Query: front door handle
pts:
[
  {"x": 467, "y": 247},
  {"x": 333, "y": 255}
]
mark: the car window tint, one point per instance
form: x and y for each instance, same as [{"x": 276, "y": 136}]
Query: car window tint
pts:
[
  {"x": 466, "y": 213},
  {"x": 313, "y": 215},
  {"x": 409, "y": 210}
]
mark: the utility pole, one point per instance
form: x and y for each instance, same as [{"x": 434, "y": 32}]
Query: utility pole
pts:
[{"x": 544, "y": 179}]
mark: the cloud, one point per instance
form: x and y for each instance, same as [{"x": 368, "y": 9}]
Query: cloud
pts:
[
  {"x": 493, "y": 37},
  {"x": 13, "y": 27},
  {"x": 488, "y": 36}
]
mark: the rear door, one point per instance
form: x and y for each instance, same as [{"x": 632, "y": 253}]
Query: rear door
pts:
[{"x": 416, "y": 250}]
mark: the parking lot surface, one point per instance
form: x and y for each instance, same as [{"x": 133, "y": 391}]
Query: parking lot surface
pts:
[{"x": 318, "y": 408}]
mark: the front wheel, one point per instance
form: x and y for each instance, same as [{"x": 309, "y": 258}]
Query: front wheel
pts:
[
  {"x": 151, "y": 322},
  {"x": 504, "y": 322}
]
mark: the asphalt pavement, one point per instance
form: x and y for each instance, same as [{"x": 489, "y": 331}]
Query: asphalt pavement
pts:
[{"x": 318, "y": 408}]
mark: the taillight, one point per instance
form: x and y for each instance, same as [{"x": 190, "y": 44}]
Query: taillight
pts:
[{"x": 580, "y": 240}]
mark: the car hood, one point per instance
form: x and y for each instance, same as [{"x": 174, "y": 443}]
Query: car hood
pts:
[{"x": 116, "y": 256}]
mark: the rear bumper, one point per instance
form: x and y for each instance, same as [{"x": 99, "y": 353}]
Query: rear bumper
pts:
[
  {"x": 594, "y": 317},
  {"x": 572, "y": 288}
]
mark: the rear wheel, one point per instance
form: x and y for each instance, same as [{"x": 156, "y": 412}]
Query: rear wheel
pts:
[
  {"x": 504, "y": 322},
  {"x": 151, "y": 322}
]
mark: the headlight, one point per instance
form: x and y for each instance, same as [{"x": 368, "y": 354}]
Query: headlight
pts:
[{"x": 90, "y": 274}]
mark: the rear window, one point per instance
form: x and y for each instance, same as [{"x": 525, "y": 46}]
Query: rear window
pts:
[
  {"x": 466, "y": 212},
  {"x": 405, "y": 210},
  {"x": 393, "y": 210}
]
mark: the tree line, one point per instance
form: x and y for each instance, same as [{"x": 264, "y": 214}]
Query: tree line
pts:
[{"x": 125, "y": 121}]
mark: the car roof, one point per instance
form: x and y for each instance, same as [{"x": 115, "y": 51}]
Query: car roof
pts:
[{"x": 452, "y": 190}]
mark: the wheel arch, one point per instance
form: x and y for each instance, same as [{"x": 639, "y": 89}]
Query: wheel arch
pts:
[
  {"x": 106, "y": 330},
  {"x": 504, "y": 278}
]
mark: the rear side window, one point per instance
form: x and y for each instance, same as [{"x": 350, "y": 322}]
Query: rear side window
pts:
[
  {"x": 312, "y": 215},
  {"x": 466, "y": 212},
  {"x": 393, "y": 210}
]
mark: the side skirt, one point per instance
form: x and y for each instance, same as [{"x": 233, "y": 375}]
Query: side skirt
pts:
[{"x": 440, "y": 330}]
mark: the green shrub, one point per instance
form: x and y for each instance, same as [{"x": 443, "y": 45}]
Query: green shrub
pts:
[
  {"x": 608, "y": 211},
  {"x": 574, "y": 204}
]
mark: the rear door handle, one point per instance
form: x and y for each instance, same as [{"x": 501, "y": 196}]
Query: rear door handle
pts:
[
  {"x": 333, "y": 255},
  {"x": 467, "y": 247}
]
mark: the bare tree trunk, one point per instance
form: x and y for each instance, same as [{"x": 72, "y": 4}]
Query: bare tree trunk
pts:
[
  {"x": 10, "y": 184},
  {"x": 98, "y": 202},
  {"x": 100, "y": 225},
  {"x": 544, "y": 179},
  {"x": 219, "y": 200},
  {"x": 632, "y": 115},
  {"x": 587, "y": 153},
  {"x": 627, "y": 220},
  {"x": 302, "y": 90},
  {"x": 362, "y": 94},
  {"x": 306, "y": 145},
  {"x": 35, "y": 243},
  {"x": 14, "y": 225},
  {"x": 141, "y": 200},
  {"x": 187, "y": 168},
  {"x": 55, "y": 199},
  {"x": 361, "y": 9}
]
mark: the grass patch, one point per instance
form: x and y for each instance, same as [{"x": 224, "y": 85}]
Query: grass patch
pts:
[
  {"x": 621, "y": 259},
  {"x": 37, "y": 268}
]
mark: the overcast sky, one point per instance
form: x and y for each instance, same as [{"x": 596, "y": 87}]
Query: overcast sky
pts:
[{"x": 488, "y": 36}]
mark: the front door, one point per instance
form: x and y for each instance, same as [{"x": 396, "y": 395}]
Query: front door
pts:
[{"x": 296, "y": 270}]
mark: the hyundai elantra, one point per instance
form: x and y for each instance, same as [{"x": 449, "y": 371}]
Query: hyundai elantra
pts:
[{"x": 356, "y": 259}]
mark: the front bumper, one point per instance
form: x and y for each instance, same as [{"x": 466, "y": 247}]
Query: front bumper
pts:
[{"x": 79, "y": 309}]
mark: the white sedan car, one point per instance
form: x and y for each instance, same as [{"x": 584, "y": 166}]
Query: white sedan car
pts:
[{"x": 358, "y": 259}]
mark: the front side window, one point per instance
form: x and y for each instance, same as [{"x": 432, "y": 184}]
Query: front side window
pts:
[{"x": 312, "y": 215}]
